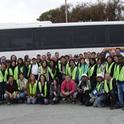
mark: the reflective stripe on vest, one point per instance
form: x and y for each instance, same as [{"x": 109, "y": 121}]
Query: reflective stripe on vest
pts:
[
  {"x": 32, "y": 88},
  {"x": 16, "y": 72},
  {"x": 108, "y": 87},
  {"x": 51, "y": 73},
  {"x": 120, "y": 73},
  {"x": 98, "y": 86},
  {"x": 109, "y": 68},
  {"x": 3, "y": 78},
  {"x": 72, "y": 72},
  {"x": 91, "y": 70},
  {"x": 45, "y": 88}
]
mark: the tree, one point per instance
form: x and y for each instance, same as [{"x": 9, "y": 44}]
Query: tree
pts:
[{"x": 100, "y": 11}]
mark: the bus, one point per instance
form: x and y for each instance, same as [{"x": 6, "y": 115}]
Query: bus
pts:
[{"x": 71, "y": 38}]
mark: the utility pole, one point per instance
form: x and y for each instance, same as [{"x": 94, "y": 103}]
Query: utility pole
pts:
[{"x": 66, "y": 11}]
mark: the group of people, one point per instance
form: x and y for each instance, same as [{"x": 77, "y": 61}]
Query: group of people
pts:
[{"x": 93, "y": 79}]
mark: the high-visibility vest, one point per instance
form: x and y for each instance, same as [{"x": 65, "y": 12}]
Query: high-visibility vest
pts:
[
  {"x": 60, "y": 68},
  {"x": 115, "y": 76},
  {"x": 83, "y": 69},
  {"x": 120, "y": 73},
  {"x": 29, "y": 70},
  {"x": 72, "y": 72},
  {"x": 100, "y": 69},
  {"x": 33, "y": 89},
  {"x": 108, "y": 86},
  {"x": 15, "y": 74},
  {"x": 109, "y": 67},
  {"x": 3, "y": 78},
  {"x": 44, "y": 72},
  {"x": 91, "y": 70},
  {"x": 99, "y": 86},
  {"x": 51, "y": 72},
  {"x": 45, "y": 88}
]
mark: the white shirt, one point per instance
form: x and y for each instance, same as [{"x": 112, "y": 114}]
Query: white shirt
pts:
[{"x": 35, "y": 69}]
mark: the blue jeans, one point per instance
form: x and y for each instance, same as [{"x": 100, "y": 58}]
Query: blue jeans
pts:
[
  {"x": 99, "y": 101},
  {"x": 120, "y": 87}
]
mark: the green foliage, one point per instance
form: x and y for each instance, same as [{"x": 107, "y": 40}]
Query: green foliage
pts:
[{"x": 100, "y": 11}]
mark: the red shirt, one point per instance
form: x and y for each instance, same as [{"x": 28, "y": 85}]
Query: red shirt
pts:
[{"x": 68, "y": 87}]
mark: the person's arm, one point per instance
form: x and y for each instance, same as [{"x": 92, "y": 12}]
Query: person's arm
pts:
[
  {"x": 73, "y": 85},
  {"x": 63, "y": 88}
]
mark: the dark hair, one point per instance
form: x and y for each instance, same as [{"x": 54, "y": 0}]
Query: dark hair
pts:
[{"x": 43, "y": 76}]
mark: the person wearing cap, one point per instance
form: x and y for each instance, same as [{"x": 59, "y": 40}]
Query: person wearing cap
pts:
[
  {"x": 83, "y": 90},
  {"x": 68, "y": 89},
  {"x": 97, "y": 95}
]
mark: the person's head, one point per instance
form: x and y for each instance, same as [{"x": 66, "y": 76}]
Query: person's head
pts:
[
  {"x": 76, "y": 58},
  {"x": 82, "y": 61},
  {"x": 108, "y": 76},
  {"x": 63, "y": 60},
  {"x": 71, "y": 63},
  {"x": 13, "y": 63},
  {"x": 67, "y": 78},
  {"x": 67, "y": 58},
  {"x": 11, "y": 79},
  {"x": 8, "y": 63},
  {"x": 100, "y": 77},
  {"x": 93, "y": 55},
  {"x": 92, "y": 61},
  {"x": 44, "y": 57},
  {"x": 26, "y": 57},
  {"x": 3, "y": 65},
  {"x": 85, "y": 55},
  {"x": 118, "y": 51},
  {"x": 44, "y": 64},
  {"x": 109, "y": 59},
  {"x": 81, "y": 56},
  {"x": 21, "y": 76},
  {"x": 32, "y": 78},
  {"x": 38, "y": 58},
  {"x": 48, "y": 55},
  {"x": 42, "y": 78},
  {"x": 52, "y": 63},
  {"x": 13, "y": 58},
  {"x": 20, "y": 61},
  {"x": 116, "y": 59},
  {"x": 57, "y": 55},
  {"x": 99, "y": 61},
  {"x": 27, "y": 62},
  {"x": 84, "y": 77},
  {"x": 34, "y": 60}
]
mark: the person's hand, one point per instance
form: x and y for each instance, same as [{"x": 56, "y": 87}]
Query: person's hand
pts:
[
  {"x": 67, "y": 93},
  {"x": 54, "y": 93}
]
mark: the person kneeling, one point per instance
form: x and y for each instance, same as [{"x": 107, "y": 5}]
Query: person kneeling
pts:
[
  {"x": 31, "y": 90},
  {"x": 42, "y": 91},
  {"x": 68, "y": 88},
  {"x": 97, "y": 96},
  {"x": 55, "y": 91},
  {"x": 11, "y": 91},
  {"x": 83, "y": 90},
  {"x": 22, "y": 82}
]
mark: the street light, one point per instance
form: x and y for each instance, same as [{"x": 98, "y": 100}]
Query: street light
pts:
[{"x": 66, "y": 11}]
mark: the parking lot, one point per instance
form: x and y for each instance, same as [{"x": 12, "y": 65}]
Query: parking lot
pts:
[{"x": 59, "y": 114}]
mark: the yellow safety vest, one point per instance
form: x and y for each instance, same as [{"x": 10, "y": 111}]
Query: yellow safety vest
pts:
[
  {"x": 108, "y": 87},
  {"x": 3, "y": 78},
  {"x": 45, "y": 88},
  {"x": 33, "y": 89}
]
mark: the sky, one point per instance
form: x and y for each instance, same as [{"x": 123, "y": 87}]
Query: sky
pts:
[{"x": 24, "y": 11}]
